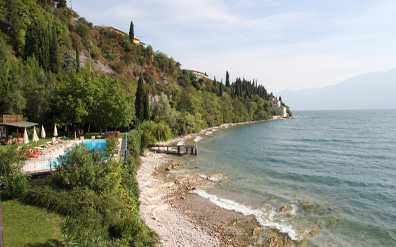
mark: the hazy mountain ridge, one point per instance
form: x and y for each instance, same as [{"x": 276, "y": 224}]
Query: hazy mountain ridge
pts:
[{"x": 375, "y": 90}]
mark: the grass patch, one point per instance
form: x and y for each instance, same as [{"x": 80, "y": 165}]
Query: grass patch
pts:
[{"x": 26, "y": 225}]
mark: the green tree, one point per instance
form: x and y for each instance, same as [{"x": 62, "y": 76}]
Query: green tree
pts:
[
  {"x": 4, "y": 83},
  {"x": 72, "y": 99},
  {"x": 146, "y": 106},
  {"x": 38, "y": 42},
  {"x": 15, "y": 32},
  {"x": 54, "y": 58},
  {"x": 227, "y": 79},
  {"x": 131, "y": 32},
  {"x": 162, "y": 111},
  {"x": 139, "y": 101},
  {"x": 148, "y": 52},
  {"x": 62, "y": 4},
  {"x": 111, "y": 105}
]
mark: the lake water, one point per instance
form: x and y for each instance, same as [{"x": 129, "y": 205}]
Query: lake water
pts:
[{"x": 336, "y": 169}]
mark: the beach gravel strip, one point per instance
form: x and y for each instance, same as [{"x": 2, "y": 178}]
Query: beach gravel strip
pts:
[{"x": 173, "y": 227}]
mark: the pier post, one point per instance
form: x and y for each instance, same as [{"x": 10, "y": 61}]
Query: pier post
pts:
[{"x": 178, "y": 149}]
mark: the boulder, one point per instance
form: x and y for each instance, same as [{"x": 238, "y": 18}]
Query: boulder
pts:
[{"x": 285, "y": 208}]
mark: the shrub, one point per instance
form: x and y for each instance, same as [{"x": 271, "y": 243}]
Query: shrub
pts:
[
  {"x": 134, "y": 230},
  {"x": 162, "y": 132},
  {"x": 134, "y": 148},
  {"x": 111, "y": 147},
  {"x": 84, "y": 168},
  {"x": 100, "y": 197},
  {"x": 154, "y": 132},
  {"x": 147, "y": 139},
  {"x": 12, "y": 179}
]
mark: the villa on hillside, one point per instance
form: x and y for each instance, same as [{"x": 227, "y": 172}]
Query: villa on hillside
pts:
[
  {"x": 275, "y": 102},
  {"x": 199, "y": 74},
  {"x": 276, "y": 107},
  {"x": 136, "y": 40}
]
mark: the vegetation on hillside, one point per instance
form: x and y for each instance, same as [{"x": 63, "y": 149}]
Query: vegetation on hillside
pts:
[{"x": 58, "y": 68}]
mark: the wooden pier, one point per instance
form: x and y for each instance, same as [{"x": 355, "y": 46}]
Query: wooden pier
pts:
[{"x": 176, "y": 149}]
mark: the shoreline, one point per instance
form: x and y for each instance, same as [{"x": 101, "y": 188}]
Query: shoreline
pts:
[{"x": 182, "y": 218}]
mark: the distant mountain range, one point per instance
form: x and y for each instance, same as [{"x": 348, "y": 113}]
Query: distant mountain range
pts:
[{"x": 376, "y": 90}]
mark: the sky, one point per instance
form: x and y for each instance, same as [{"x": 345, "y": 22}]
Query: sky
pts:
[{"x": 283, "y": 44}]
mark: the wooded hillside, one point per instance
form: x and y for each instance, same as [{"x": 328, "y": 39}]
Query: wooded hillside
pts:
[{"x": 57, "y": 67}]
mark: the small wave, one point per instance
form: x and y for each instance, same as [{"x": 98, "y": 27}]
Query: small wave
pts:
[
  {"x": 198, "y": 138},
  {"x": 209, "y": 133},
  {"x": 264, "y": 218}
]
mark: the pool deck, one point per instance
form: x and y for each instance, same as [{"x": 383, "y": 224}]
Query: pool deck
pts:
[{"x": 33, "y": 165}]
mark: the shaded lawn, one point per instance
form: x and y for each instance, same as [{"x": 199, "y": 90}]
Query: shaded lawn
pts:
[{"x": 27, "y": 225}]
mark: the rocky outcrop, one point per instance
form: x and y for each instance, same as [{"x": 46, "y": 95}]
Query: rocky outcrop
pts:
[
  {"x": 172, "y": 166},
  {"x": 285, "y": 208}
]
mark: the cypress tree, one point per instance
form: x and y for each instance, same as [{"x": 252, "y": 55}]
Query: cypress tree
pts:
[
  {"x": 61, "y": 4},
  {"x": 3, "y": 71},
  {"x": 139, "y": 101},
  {"x": 146, "y": 103},
  {"x": 227, "y": 79},
  {"x": 221, "y": 90},
  {"x": 15, "y": 30},
  {"x": 131, "y": 32},
  {"x": 54, "y": 58},
  {"x": 38, "y": 42}
]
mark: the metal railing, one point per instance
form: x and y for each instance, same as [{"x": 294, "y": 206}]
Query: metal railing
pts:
[{"x": 123, "y": 149}]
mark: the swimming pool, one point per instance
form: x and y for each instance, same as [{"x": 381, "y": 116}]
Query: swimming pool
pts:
[
  {"x": 91, "y": 144},
  {"x": 96, "y": 144}
]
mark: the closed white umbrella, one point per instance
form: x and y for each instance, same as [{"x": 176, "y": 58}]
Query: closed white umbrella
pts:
[
  {"x": 55, "y": 131},
  {"x": 35, "y": 136},
  {"x": 25, "y": 137},
  {"x": 42, "y": 132}
]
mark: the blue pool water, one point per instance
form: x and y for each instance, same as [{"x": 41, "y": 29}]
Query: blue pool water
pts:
[
  {"x": 96, "y": 144},
  {"x": 91, "y": 144}
]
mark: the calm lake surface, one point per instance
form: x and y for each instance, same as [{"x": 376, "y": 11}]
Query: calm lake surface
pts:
[{"x": 336, "y": 169}]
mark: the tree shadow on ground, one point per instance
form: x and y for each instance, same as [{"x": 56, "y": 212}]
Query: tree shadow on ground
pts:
[{"x": 49, "y": 243}]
